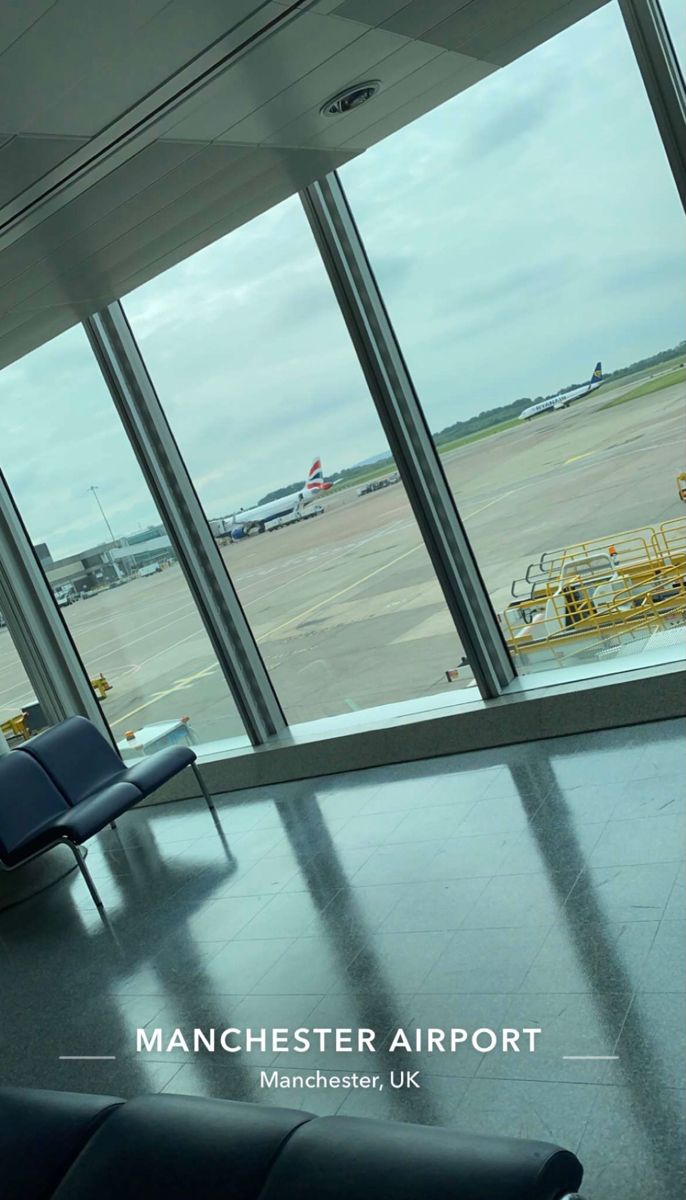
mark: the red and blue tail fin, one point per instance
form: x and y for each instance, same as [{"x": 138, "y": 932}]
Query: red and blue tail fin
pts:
[{"x": 315, "y": 479}]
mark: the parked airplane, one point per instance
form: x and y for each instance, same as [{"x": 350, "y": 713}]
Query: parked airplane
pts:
[
  {"x": 253, "y": 520},
  {"x": 562, "y": 399}
]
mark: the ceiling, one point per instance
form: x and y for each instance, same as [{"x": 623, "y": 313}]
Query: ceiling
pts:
[{"x": 135, "y": 132}]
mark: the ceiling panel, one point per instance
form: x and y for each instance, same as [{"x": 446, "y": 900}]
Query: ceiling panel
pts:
[
  {"x": 17, "y": 18},
  {"x": 56, "y": 48},
  {"x": 147, "y": 170},
  {"x": 294, "y": 117},
  {"x": 480, "y": 28},
  {"x": 269, "y": 70},
  {"x": 410, "y": 17},
  {"x": 23, "y": 159},
  {"x": 311, "y": 129},
  {"x": 153, "y": 52}
]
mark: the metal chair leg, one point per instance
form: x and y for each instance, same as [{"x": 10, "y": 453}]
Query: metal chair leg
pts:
[
  {"x": 203, "y": 788},
  {"x": 214, "y": 814},
  {"x": 81, "y": 864}
]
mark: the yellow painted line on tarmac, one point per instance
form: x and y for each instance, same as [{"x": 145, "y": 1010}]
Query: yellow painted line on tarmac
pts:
[
  {"x": 576, "y": 457},
  {"x": 325, "y": 563},
  {"x": 176, "y": 687},
  {"x": 365, "y": 578},
  {"x": 337, "y": 595}
]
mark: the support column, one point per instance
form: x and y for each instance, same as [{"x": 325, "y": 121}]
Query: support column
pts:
[
  {"x": 410, "y": 440},
  {"x": 662, "y": 78},
  {"x": 167, "y": 477}
]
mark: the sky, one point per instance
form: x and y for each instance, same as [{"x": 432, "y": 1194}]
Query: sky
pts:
[{"x": 520, "y": 232}]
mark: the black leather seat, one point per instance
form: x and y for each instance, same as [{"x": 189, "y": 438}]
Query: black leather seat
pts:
[
  {"x": 80, "y": 761},
  {"x": 68, "y": 783},
  {"x": 29, "y": 806},
  {"x": 35, "y": 816},
  {"x": 59, "y": 1146}
]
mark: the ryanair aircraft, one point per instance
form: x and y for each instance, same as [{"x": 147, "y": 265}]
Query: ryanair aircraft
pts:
[{"x": 562, "y": 399}]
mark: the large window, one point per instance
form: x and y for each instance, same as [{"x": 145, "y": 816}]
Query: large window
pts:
[
  {"x": 528, "y": 238},
  {"x": 254, "y": 367},
  {"x": 106, "y": 556}
]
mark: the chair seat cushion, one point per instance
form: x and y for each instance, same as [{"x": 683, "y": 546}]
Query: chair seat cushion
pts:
[
  {"x": 150, "y": 773},
  {"x": 93, "y": 814}
]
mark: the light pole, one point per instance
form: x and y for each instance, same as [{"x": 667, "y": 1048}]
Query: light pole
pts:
[{"x": 94, "y": 489}]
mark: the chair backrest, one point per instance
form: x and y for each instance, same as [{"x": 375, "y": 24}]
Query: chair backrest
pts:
[
  {"x": 29, "y": 800},
  {"x": 78, "y": 759}
]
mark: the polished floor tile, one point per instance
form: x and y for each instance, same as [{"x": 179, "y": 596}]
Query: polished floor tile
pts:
[
  {"x": 633, "y": 1144},
  {"x": 535, "y": 886}
]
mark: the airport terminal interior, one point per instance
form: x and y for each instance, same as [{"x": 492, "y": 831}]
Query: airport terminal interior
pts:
[{"x": 343, "y": 451}]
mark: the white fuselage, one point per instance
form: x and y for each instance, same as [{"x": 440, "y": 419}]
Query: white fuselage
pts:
[
  {"x": 560, "y": 401},
  {"x": 250, "y": 518}
]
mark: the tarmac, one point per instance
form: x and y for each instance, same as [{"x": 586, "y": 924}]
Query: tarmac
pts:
[{"x": 345, "y": 606}]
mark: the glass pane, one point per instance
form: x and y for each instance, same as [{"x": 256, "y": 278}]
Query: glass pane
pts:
[
  {"x": 532, "y": 257},
  {"x": 250, "y": 356},
  {"x": 106, "y": 554}
]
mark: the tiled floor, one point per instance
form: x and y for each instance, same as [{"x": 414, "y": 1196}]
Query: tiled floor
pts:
[{"x": 533, "y": 886}]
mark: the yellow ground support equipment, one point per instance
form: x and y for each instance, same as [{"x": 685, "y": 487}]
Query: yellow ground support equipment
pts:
[
  {"x": 100, "y": 686},
  {"x": 16, "y": 727},
  {"x": 599, "y": 594}
]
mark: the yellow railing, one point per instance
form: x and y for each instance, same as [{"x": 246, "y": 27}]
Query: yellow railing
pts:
[
  {"x": 633, "y": 585},
  {"x": 16, "y": 727}
]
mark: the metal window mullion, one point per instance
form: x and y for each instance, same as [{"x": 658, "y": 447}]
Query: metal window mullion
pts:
[
  {"x": 662, "y": 78},
  {"x": 409, "y": 437},
  {"x": 39, "y": 634},
  {"x": 167, "y": 477}
]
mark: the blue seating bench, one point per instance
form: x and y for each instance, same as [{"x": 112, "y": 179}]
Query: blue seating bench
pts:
[{"x": 67, "y": 784}]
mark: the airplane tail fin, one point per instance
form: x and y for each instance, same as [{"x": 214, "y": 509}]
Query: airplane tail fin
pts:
[
  {"x": 597, "y": 373},
  {"x": 315, "y": 479}
]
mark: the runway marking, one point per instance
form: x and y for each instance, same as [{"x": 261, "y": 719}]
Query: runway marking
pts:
[
  {"x": 178, "y": 686},
  {"x": 323, "y": 561},
  {"x": 154, "y": 629},
  {"x": 468, "y": 516},
  {"x": 576, "y": 457},
  {"x": 337, "y": 595}
]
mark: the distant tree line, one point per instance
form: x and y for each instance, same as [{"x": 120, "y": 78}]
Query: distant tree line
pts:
[{"x": 484, "y": 420}]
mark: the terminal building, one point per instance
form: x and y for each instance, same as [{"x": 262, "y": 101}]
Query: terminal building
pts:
[
  {"x": 397, "y": 792},
  {"x": 107, "y": 565}
]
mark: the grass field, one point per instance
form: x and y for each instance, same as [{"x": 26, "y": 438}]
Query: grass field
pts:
[
  {"x": 651, "y": 385},
  {"x": 445, "y": 447},
  {"x": 387, "y": 465}
]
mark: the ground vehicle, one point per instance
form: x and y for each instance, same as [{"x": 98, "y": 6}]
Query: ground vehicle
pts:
[
  {"x": 281, "y": 522},
  {"x": 599, "y": 596},
  {"x": 66, "y": 594},
  {"x": 152, "y": 568},
  {"x": 376, "y": 485}
]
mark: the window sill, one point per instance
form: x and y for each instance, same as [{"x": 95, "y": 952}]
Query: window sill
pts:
[{"x": 533, "y": 708}]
